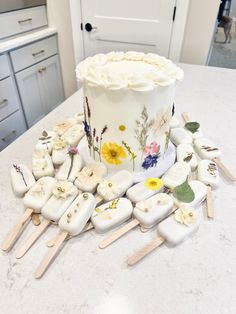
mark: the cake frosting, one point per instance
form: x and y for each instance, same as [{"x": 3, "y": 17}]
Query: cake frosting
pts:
[{"x": 128, "y": 99}]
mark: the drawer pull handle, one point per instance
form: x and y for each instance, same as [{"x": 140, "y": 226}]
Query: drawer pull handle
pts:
[
  {"x": 41, "y": 70},
  {"x": 3, "y": 103},
  {"x": 25, "y": 21},
  {"x": 6, "y": 137},
  {"x": 35, "y": 54}
]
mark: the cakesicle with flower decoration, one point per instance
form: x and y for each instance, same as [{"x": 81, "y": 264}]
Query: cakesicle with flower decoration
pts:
[
  {"x": 180, "y": 136},
  {"x": 45, "y": 141},
  {"x": 74, "y": 134},
  {"x": 111, "y": 214},
  {"x": 33, "y": 201},
  {"x": 63, "y": 194},
  {"x": 173, "y": 230},
  {"x": 208, "y": 173},
  {"x": 71, "y": 166},
  {"x": 206, "y": 149},
  {"x": 42, "y": 164},
  {"x": 176, "y": 175},
  {"x": 185, "y": 153},
  {"x": 22, "y": 179},
  {"x": 59, "y": 150},
  {"x": 61, "y": 127},
  {"x": 146, "y": 213},
  {"x": 90, "y": 176},
  {"x": 71, "y": 224}
]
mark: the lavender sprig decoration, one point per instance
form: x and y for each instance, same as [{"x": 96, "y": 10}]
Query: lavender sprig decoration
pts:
[{"x": 18, "y": 169}]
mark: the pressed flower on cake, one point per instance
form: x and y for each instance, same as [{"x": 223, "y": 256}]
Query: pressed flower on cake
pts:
[
  {"x": 154, "y": 184},
  {"x": 161, "y": 123},
  {"x": 112, "y": 153}
]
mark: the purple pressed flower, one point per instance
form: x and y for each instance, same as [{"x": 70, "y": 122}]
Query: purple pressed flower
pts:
[
  {"x": 88, "y": 109},
  {"x": 86, "y": 128},
  {"x": 104, "y": 130},
  {"x": 150, "y": 161},
  {"x": 94, "y": 132},
  {"x": 97, "y": 138}
]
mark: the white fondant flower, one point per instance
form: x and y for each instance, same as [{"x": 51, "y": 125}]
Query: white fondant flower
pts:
[
  {"x": 59, "y": 143},
  {"x": 108, "y": 189},
  {"x": 63, "y": 189},
  {"x": 91, "y": 174},
  {"x": 37, "y": 189},
  {"x": 63, "y": 126},
  {"x": 185, "y": 216}
]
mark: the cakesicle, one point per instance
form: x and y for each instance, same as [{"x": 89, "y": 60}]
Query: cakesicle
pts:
[
  {"x": 79, "y": 116},
  {"x": 174, "y": 122},
  {"x": 173, "y": 230},
  {"x": 185, "y": 153},
  {"x": 71, "y": 223},
  {"x": 180, "y": 136},
  {"x": 206, "y": 149},
  {"x": 176, "y": 174},
  {"x": 90, "y": 176},
  {"x": 74, "y": 134},
  {"x": 59, "y": 150},
  {"x": 144, "y": 189},
  {"x": 46, "y": 140},
  {"x": 42, "y": 164},
  {"x": 22, "y": 179}
]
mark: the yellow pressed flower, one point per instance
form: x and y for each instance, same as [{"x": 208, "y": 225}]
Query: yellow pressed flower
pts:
[
  {"x": 122, "y": 128},
  {"x": 154, "y": 184},
  {"x": 112, "y": 153}
]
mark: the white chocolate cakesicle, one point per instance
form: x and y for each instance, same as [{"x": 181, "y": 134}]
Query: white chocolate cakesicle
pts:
[
  {"x": 90, "y": 176},
  {"x": 206, "y": 149},
  {"x": 67, "y": 171},
  {"x": 74, "y": 134},
  {"x": 175, "y": 232},
  {"x": 208, "y": 173},
  {"x": 174, "y": 122},
  {"x": 111, "y": 214},
  {"x": 59, "y": 150},
  {"x": 200, "y": 192},
  {"x": 45, "y": 141},
  {"x": 145, "y": 189},
  {"x": 77, "y": 215},
  {"x": 42, "y": 164},
  {"x": 153, "y": 209},
  {"x": 39, "y": 193},
  {"x": 61, "y": 127},
  {"x": 176, "y": 174},
  {"x": 185, "y": 153},
  {"x": 63, "y": 195},
  {"x": 22, "y": 179},
  {"x": 180, "y": 136},
  {"x": 195, "y": 135},
  {"x": 79, "y": 116},
  {"x": 115, "y": 186}
]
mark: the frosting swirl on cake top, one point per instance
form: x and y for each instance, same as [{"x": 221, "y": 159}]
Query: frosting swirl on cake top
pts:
[{"x": 132, "y": 70}]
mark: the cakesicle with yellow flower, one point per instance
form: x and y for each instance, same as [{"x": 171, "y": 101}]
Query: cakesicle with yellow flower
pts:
[
  {"x": 63, "y": 194},
  {"x": 173, "y": 230}
]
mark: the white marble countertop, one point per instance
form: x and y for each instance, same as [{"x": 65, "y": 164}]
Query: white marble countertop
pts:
[
  {"x": 25, "y": 38},
  {"x": 196, "y": 277}
]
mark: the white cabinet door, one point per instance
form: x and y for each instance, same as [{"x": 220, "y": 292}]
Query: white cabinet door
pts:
[
  {"x": 51, "y": 84},
  {"x": 40, "y": 88},
  {"x": 127, "y": 25},
  {"x": 31, "y": 94}
]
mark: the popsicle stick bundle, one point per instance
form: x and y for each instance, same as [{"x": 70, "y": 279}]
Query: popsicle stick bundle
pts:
[{"x": 77, "y": 197}]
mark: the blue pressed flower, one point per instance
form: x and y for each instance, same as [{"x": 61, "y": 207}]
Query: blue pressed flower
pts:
[
  {"x": 86, "y": 128},
  {"x": 150, "y": 161}
]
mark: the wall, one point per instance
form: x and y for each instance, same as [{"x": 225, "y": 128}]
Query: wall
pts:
[
  {"x": 199, "y": 31},
  {"x": 233, "y": 9},
  {"x": 59, "y": 17}
]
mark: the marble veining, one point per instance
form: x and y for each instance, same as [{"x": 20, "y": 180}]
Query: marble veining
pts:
[{"x": 196, "y": 277}]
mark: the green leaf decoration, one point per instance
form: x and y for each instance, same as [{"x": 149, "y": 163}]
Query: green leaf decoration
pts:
[
  {"x": 184, "y": 193},
  {"x": 192, "y": 126}
]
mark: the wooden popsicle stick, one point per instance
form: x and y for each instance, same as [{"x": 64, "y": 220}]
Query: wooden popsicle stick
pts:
[
  {"x": 119, "y": 233},
  {"x": 145, "y": 251},
  {"x": 49, "y": 257},
  {"x": 52, "y": 241},
  {"x": 16, "y": 230},
  {"x": 209, "y": 202},
  {"x": 185, "y": 117},
  {"x": 33, "y": 237},
  {"x": 224, "y": 170},
  {"x": 35, "y": 219}
]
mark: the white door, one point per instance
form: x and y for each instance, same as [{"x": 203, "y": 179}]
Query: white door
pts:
[{"x": 122, "y": 25}]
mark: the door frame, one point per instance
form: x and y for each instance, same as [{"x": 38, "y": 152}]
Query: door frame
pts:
[{"x": 176, "y": 40}]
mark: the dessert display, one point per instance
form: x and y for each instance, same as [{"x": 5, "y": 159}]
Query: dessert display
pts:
[
  {"x": 128, "y": 100},
  {"x": 130, "y": 129}
]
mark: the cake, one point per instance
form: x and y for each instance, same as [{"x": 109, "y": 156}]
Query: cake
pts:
[{"x": 128, "y": 104}]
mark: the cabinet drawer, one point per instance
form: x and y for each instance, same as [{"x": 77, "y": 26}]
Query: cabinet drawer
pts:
[
  {"x": 4, "y": 66},
  {"x": 11, "y": 128},
  {"x": 20, "y": 21},
  {"x": 9, "y": 101},
  {"x": 31, "y": 54}
]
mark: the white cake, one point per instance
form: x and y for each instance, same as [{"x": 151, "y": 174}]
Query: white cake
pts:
[{"x": 128, "y": 99}]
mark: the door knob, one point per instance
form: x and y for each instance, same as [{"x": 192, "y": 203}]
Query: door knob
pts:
[{"x": 89, "y": 27}]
